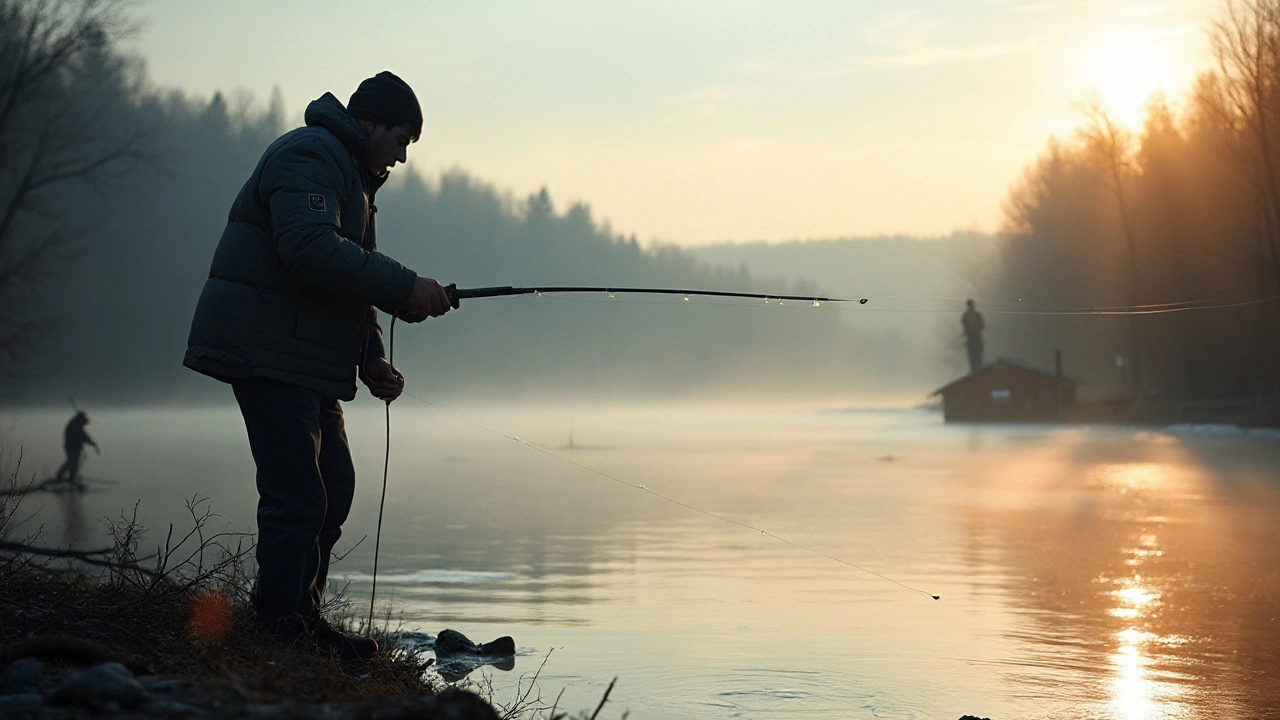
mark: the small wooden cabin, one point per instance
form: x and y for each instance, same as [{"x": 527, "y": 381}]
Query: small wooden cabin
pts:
[{"x": 1007, "y": 391}]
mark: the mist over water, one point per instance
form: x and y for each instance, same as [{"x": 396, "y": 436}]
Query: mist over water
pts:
[{"x": 1084, "y": 572}]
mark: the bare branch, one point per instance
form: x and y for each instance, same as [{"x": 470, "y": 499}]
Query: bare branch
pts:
[{"x": 68, "y": 116}]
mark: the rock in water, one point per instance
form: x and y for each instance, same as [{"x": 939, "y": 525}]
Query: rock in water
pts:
[
  {"x": 456, "y": 655},
  {"x": 452, "y": 643}
]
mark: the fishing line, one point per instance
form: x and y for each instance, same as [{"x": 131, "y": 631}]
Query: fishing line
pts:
[
  {"x": 673, "y": 501},
  {"x": 386, "y": 463},
  {"x": 1141, "y": 309},
  {"x": 1020, "y": 304}
]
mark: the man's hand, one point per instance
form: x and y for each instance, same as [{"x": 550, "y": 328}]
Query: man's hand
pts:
[
  {"x": 384, "y": 381},
  {"x": 428, "y": 299}
]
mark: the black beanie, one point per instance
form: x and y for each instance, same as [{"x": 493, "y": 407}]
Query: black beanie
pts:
[{"x": 386, "y": 98}]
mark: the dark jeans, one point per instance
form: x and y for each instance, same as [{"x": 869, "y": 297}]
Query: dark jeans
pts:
[{"x": 305, "y": 485}]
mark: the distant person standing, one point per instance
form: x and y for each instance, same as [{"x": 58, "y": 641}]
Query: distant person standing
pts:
[
  {"x": 74, "y": 438},
  {"x": 289, "y": 318},
  {"x": 972, "y": 323}
]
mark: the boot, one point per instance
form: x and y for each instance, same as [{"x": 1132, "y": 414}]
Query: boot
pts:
[{"x": 348, "y": 647}]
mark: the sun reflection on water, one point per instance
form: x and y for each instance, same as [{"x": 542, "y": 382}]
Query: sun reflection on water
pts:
[
  {"x": 1136, "y": 694},
  {"x": 1132, "y": 690}
]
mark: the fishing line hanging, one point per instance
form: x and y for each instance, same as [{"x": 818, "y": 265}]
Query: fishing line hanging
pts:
[{"x": 386, "y": 465}]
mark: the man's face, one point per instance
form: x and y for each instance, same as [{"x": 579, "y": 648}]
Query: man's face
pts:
[{"x": 387, "y": 146}]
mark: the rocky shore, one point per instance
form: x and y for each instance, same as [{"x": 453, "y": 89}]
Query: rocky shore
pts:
[
  {"x": 110, "y": 689},
  {"x": 73, "y": 648},
  {"x": 115, "y": 632}
]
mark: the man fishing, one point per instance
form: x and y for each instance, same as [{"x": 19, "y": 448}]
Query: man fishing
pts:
[
  {"x": 74, "y": 438},
  {"x": 972, "y": 324},
  {"x": 288, "y": 317}
]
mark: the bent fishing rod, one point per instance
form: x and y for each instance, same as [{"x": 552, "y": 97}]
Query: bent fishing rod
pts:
[{"x": 457, "y": 294}]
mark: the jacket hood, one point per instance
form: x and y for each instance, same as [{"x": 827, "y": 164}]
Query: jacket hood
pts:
[{"x": 329, "y": 113}]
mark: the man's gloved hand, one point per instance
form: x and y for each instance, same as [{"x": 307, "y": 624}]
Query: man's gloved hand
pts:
[
  {"x": 428, "y": 299},
  {"x": 384, "y": 381}
]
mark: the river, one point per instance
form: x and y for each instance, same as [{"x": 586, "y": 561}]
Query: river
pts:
[{"x": 1084, "y": 572}]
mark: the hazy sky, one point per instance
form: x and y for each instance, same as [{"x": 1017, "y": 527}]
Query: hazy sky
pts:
[{"x": 701, "y": 121}]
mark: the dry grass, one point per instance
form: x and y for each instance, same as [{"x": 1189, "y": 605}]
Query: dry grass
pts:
[{"x": 181, "y": 611}]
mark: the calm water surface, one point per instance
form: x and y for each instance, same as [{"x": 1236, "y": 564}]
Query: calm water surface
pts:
[{"x": 1084, "y": 572}]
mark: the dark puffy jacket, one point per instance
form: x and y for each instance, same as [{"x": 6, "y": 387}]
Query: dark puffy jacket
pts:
[{"x": 294, "y": 279}]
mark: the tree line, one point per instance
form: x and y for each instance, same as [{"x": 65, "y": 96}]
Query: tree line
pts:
[
  {"x": 1184, "y": 210},
  {"x": 113, "y": 238}
]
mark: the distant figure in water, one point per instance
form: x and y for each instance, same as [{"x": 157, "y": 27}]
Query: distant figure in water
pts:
[
  {"x": 972, "y": 323},
  {"x": 74, "y": 438}
]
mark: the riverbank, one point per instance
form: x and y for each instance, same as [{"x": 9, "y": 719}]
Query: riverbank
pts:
[
  {"x": 114, "y": 632},
  {"x": 72, "y": 645}
]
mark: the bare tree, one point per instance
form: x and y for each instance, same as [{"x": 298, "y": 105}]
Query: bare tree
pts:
[
  {"x": 1244, "y": 94},
  {"x": 1114, "y": 146},
  {"x": 64, "y": 126}
]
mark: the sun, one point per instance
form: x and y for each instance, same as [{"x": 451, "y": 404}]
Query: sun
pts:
[{"x": 1127, "y": 68}]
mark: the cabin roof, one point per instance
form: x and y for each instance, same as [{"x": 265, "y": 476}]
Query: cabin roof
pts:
[{"x": 1001, "y": 364}]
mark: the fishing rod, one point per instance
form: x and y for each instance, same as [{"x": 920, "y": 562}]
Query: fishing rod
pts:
[{"x": 457, "y": 294}]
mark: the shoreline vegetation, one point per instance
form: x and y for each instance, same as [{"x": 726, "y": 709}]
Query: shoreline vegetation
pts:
[{"x": 169, "y": 633}]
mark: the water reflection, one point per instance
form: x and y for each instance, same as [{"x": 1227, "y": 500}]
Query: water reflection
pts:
[
  {"x": 1141, "y": 555},
  {"x": 1136, "y": 696},
  {"x": 1133, "y": 690},
  {"x": 71, "y": 506}
]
